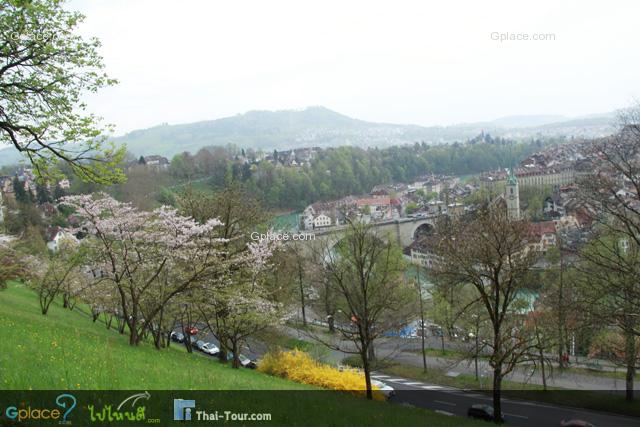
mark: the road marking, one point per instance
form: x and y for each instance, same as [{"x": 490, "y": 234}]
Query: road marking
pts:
[
  {"x": 414, "y": 384},
  {"x": 479, "y": 396},
  {"x": 445, "y": 403},
  {"x": 397, "y": 380},
  {"x": 431, "y": 387},
  {"x": 380, "y": 376},
  {"x": 441, "y": 412},
  {"x": 514, "y": 415}
]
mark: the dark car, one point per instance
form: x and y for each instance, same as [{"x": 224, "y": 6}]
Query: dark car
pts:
[
  {"x": 482, "y": 412},
  {"x": 177, "y": 336},
  {"x": 575, "y": 423}
]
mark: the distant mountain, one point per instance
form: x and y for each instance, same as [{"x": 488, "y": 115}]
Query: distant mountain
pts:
[
  {"x": 527, "y": 121},
  {"x": 321, "y": 127},
  {"x": 268, "y": 130}
]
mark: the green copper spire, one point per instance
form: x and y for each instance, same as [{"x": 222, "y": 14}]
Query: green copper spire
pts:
[{"x": 511, "y": 178}]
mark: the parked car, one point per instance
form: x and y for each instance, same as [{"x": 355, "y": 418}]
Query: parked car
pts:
[
  {"x": 386, "y": 389},
  {"x": 482, "y": 412},
  {"x": 247, "y": 363},
  {"x": 576, "y": 423},
  {"x": 244, "y": 361},
  {"x": 210, "y": 349},
  {"x": 436, "y": 331},
  {"x": 199, "y": 344},
  {"x": 177, "y": 337}
]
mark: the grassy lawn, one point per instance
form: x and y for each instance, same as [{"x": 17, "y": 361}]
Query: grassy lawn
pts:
[
  {"x": 619, "y": 374},
  {"x": 66, "y": 351}
]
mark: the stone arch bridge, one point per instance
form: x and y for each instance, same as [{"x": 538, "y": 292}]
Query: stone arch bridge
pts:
[{"x": 403, "y": 230}]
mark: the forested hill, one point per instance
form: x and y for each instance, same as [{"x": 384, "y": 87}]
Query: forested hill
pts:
[
  {"x": 321, "y": 127},
  {"x": 268, "y": 130},
  {"x": 341, "y": 171}
]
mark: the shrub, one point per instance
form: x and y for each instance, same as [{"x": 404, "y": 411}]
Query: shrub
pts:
[
  {"x": 298, "y": 366},
  {"x": 353, "y": 361}
]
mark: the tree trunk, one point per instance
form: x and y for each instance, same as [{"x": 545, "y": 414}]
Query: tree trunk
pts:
[
  {"x": 133, "y": 335},
  {"x": 158, "y": 332},
  {"x": 331, "y": 323},
  {"x": 367, "y": 372},
  {"x": 302, "y": 302},
  {"x": 497, "y": 392},
  {"x": 372, "y": 353},
  {"x": 424, "y": 353},
  {"x": 630, "y": 360},
  {"x": 187, "y": 340},
  {"x": 157, "y": 338},
  {"x": 477, "y": 354},
  {"x": 561, "y": 316},
  {"x": 236, "y": 356},
  {"x": 223, "y": 354},
  {"x": 544, "y": 375}
]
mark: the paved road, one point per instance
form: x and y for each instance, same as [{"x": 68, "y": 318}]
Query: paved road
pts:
[
  {"x": 396, "y": 350},
  {"x": 403, "y": 351},
  {"x": 451, "y": 401}
]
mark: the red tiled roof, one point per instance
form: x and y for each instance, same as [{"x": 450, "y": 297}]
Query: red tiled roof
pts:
[{"x": 542, "y": 228}]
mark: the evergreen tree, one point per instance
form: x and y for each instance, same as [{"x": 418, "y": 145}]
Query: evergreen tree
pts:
[
  {"x": 19, "y": 192},
  {"x": 58, "y": 192},
  {"x": 42, "y": 194}
]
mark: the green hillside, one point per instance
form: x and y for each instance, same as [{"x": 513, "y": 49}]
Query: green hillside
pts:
[
  {"x": 268, "y": 130},
  {"x": 66, "y": 351}
]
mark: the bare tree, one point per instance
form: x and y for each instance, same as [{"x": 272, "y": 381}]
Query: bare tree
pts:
[
  {"x": 364, "y": 272},
  {"x": 612, "y": 193},
  {"x": 491, "y": 253},
  {"x": 610, "y": 292}
]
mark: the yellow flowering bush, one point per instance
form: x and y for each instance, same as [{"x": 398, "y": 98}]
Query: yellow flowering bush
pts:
[{"x": 298, "y": 366}]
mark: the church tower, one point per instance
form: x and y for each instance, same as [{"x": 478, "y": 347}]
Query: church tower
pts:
[{"x": 512, "y": 196}]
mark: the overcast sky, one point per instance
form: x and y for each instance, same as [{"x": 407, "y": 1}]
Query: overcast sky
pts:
[{"x": 392, "y": 61}]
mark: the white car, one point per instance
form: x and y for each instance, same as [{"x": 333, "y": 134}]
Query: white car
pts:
[
  {"x": 386, "y": 389},
  {"x": 210, "y": 349}
]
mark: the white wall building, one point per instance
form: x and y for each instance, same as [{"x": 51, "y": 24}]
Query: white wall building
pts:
[{"x": 322, "y": 220}]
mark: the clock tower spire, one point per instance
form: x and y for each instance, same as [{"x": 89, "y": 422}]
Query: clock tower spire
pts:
[{"x": 512, "y": 196}]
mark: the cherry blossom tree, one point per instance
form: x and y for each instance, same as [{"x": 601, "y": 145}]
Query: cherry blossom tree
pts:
[
  {"x": 242, "y": 304},
  {"x": 57, "y": 272},
  {"x": 148, "y": 257}
]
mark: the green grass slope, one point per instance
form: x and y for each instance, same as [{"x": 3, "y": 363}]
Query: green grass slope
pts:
[{"x": 64, "y": 350}]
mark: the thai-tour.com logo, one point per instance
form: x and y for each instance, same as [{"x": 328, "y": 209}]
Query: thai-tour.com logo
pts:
[
  {"x": 185, "y": 410},
  {"x": 182, "y": 409},
  {"x": 59, "y": 411}
]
